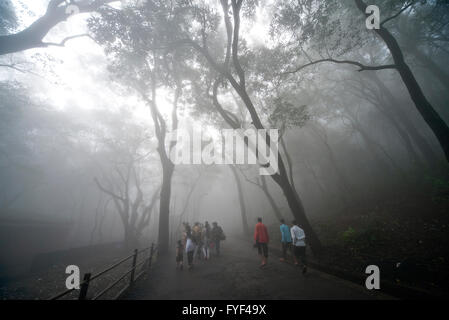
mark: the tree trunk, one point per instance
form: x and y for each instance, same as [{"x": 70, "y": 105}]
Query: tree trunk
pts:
[
  {"x": 384, "y": 110},
  {"x": 309, "y": 167},
  {"x": 32, "y": 36},
  {"x": 430, "y": 116},
  {"x": 270, "y": 198},
  {"x": 341, "y": 176},
  {"x": 281, "y": 178},
  {"x": 164, "y": 206},
  {"x": 241, "y": 201},
  {"x": 371, "y": 144},
  {"x": 297, "y": 208},
  {"x": 424, "y": 147},
  {"x": 431, "y": 66}
]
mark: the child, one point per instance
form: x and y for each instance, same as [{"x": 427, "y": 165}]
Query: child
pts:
[{"x": 179, "y": 255}]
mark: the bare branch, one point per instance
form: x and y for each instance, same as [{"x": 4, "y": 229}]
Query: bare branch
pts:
[
  {"x": 108, "y": 192},
  {"x": 256, "y": 183},
  {"x": 230, "y": 118},
  {"x": 63, "y": 42},
  {"x": 14, "y": 67},
  {"x": 397, "y": 14},
  {"x": 355, "y": 63}
]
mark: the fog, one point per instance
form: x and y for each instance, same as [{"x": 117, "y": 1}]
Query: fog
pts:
[{"x": 83, "y": 155}]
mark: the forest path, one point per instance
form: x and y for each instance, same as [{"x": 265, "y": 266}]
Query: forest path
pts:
[{"x": 236, "y": 275}]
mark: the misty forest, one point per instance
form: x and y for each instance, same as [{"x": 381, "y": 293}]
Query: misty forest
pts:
[{"x": 90, "y": 90}]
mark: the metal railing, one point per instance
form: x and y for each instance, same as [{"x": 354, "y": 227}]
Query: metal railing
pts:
[{"x": 88, "y": 278}]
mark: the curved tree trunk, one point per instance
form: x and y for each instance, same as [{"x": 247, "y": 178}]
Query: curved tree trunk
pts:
[
  {"x": 281, "y": 177},
  {"x": 33, "y": 36},
  {"x": 430, "y": 116},
  {"x": 297, "y": 209}
]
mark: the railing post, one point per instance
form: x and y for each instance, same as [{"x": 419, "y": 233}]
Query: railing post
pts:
[
  {"x": 151, "y": 256},
  {"x": 133, "y": 271},
  {"x": 84, "y": 287}
]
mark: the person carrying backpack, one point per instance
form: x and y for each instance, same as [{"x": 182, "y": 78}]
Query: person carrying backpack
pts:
[
  {"x": 286, "y": 240},
  {"x": 299, "y": 246}
]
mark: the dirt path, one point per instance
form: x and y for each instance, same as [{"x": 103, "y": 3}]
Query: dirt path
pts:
[{"x": 236, "y": 275}]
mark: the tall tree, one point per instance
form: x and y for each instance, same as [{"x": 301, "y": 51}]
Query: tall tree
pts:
[
  {"x": 237, "y": 79},
  {"x": 132, "y": 41},
  {"x": 341, "y": 40}
]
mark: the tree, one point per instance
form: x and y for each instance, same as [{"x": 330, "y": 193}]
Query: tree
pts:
[
  {"x": 125, "y": 171},
  {"x": 342, "y": 38},
  {"x": 132, "y": 41},
  {"x": 33, "y": 35},
  {"x": 237, "y": 79},
  {"x": 261, "y": 183},
  {"x": 134, "y": 213}
]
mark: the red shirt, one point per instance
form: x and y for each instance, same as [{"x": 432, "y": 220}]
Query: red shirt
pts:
[{"x": 261, "y": 233}]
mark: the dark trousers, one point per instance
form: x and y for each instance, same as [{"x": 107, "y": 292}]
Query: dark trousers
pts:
[
  {"x": 263, "y": 249},
  {"x": 286, "y": 246},
  {"x": 300, "y": 254},
  {"x": 190, "y": 257},
  {"x": 217, "y": 247}
]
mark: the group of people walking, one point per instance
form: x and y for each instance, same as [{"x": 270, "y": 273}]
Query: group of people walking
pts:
[
  {"x": 292, "y": 240},
  {"x": 197, "y": 241}
]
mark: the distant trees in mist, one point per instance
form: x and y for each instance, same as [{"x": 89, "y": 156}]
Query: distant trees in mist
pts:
[{"x": 356, "y": 108}]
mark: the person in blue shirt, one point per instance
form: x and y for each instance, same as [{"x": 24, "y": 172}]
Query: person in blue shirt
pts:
[{"x": 286, "y": 239}]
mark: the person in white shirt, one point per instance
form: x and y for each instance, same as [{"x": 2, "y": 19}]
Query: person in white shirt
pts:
[
  {"x": 299, "y": 245},
  {"x": 190, "y": 250}
]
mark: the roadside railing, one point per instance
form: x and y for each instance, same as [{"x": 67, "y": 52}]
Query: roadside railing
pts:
[{"x": 88, "y": 277}]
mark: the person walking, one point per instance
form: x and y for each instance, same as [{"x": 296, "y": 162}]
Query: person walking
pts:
[
  {"x": 261, "y": 239},
  {"x": 299, "y": 246},
  {"x": 286, "y": 240},
  {"x": 217, "y": 236},
  {"x": 206, "y": 240},
  {"x": 190, "y": 250},
  {"x": 179, "y": 255},
  {"x": 187, "y": 231},
  {"x": 197, "y": 239}
]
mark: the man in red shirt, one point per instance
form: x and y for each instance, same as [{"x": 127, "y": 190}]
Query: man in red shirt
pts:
[{"x": 261, "y": 238}]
